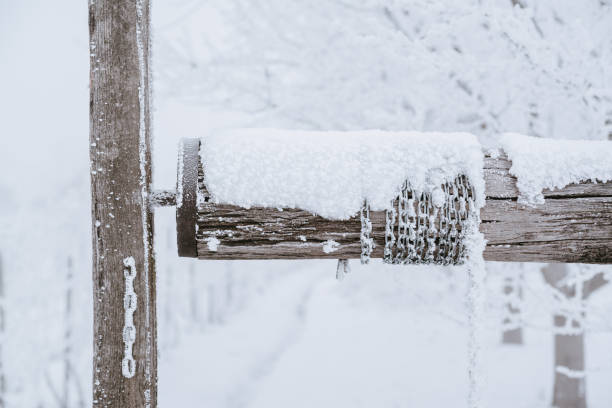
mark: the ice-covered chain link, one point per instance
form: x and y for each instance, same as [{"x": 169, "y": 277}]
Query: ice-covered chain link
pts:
[
  {"x": 367, "y": 242},
  {"x": 128, "y": 364},
  {"x": 389, "y": 234},
  {"x": 428, "y": 232}
]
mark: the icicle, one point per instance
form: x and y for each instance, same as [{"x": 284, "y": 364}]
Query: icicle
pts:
[
  {"x": 474, "y": 247},
  {"x": 475, "y": 319},
  {"x": 366, "y": 229},
  {"x": 342, "y": 269}
]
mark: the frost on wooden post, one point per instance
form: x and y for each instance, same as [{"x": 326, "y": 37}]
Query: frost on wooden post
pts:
[
  {"x": 541, "y": 163},
  {"x": 128, "y": 364},
  {"x": 180, "y": 171}
]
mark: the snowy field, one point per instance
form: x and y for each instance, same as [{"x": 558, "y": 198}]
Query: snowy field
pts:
[{"x": 278, "y": 334}]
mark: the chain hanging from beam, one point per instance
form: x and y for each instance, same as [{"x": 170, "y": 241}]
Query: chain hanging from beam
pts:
[
  {"x": 367, "y": 243},
  {"x": 429, "y": 228}
]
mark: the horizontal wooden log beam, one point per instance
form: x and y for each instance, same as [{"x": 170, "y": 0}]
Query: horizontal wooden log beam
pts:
[{"x": 573, "y": 225}]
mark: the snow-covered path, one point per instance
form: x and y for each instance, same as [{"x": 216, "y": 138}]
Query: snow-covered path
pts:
[
  {"x": 224, "y": 365},
  {"x": 371, "y": 340}
]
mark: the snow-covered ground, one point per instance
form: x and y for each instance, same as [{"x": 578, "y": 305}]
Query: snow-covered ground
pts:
[
  {"x": 276, "y": 334},
  {"x": 382, "y": 337}
]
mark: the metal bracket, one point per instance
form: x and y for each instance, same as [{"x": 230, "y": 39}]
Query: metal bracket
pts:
[
  {"x": 186, "y": 197},
  {"x": 162, "y": 198}
]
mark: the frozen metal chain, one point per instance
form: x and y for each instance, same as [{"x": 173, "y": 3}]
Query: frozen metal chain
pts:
[
  {"x": 443, "y": 226},
  {"x": 429, "y": 232},
  {"x": 366, "y": 230},
  {"x": 432, "y": 232},
  {"x": 402, "y": 218},
  {"x": 128, "y": 364},
  {"x": 452, "y": 218},
  {"x": 389, "y": 235},
  {"x": 466, "y": 204},
  {"x": 422, "y": 215}
]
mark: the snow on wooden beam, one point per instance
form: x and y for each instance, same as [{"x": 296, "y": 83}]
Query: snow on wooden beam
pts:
[{"x": 573, "y": 225}]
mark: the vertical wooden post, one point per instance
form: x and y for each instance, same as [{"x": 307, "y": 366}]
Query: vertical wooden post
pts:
[{"x": 122, "y": 221}]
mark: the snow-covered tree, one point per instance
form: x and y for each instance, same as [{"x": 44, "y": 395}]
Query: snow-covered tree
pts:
[
  {"x": 572, "y": 286},
  {"x": 487, "y": 67}
]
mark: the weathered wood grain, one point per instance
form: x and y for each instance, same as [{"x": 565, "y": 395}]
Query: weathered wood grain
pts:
[
  {"x": 574, "y": 225},
  {"x": 575, "y": 229},
  {"x": 122, "y": 223}
]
